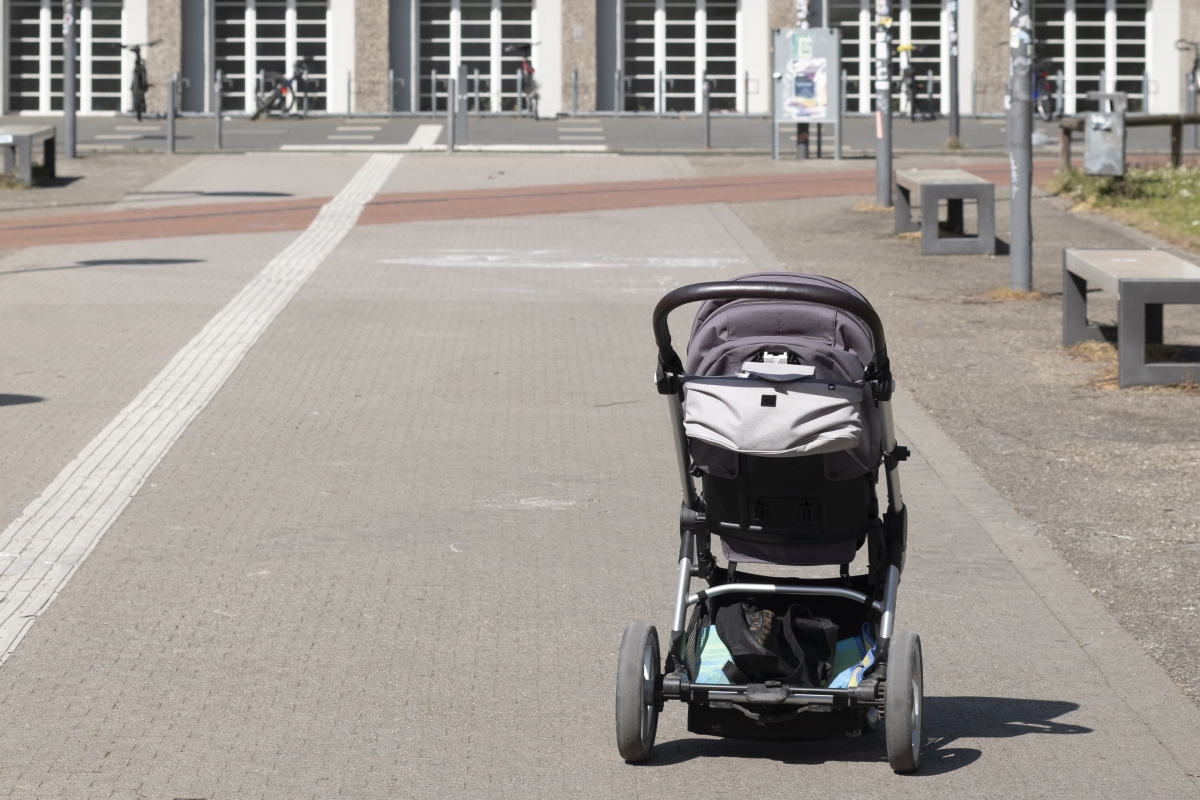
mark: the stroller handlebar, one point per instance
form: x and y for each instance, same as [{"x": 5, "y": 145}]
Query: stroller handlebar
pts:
[{"x": 744, "y": 290}]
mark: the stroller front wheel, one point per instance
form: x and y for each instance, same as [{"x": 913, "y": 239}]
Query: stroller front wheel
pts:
[
  {"x": 637, "y": 673},
  {"x": 903, "y": 701}
]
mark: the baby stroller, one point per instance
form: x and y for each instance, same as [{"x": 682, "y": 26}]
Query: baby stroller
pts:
[{"x": 783, "y": 414}]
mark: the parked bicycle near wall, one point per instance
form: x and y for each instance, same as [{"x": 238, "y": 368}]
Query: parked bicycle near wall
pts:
[
  {"x": 285, "y": 93},
  {"x": 527, "y": 94},
  {"x": 1045, "y": 99},
  {"x": 140, "y": 85}
]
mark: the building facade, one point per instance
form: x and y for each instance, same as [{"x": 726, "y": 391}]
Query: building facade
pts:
[{"x": 648, "y": 56}]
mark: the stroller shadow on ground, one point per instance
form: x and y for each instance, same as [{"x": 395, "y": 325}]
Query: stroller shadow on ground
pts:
[{"x": 947, "y": 719}]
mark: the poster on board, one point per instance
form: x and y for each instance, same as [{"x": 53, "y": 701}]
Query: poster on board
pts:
[{"x": 809, "y": 69}]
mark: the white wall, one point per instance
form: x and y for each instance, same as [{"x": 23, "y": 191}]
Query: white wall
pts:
[
  {"x": 135, "y": 29},
  {"x": 966, "y": 54},
  {"x": 340, "y": 53},
  {"x": 1164, "y": 62},
  {"x": 756, "y": 53},
  {"x": 547, "y": 56}
]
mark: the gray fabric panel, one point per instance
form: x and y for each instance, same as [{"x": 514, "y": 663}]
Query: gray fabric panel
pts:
[
  {"x": 803, "y": 417},
  {"x": 790, "y": 555},
  {"x": 725, "y": 334}
]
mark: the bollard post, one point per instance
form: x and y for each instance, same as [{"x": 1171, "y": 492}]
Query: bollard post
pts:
[
  {"x": 475, "y": 77},
  {"x": 1104, "y": 104},
  {"x": 433, "y": 91},
  {"x": 1058, "y": 94},
  {"x": 461, "y": 99},
  {"x": 262, "y": 81},
  {"x": 883, "y": 104},
  {"x": 802, "y": 140},
  {"x": 660, "y": 93},
  {"x": 929, "y": 112},
  {"x": 955, "y": 127},
  {"x": 1145, "y": 92},
  {"x": 1020, "y": 147},
  {"x": 974, "y": 94},
  {"x": 1191, "y": 107},
  {"x": 349, "y": 93},
  {"x": 775, "y": 76},
  {"x": 172, "y": 87},
  {"x": 618, "y": 94},
  {"x": 217, "y": 107},
  {"x": 706, "y": 107},
  {"x": 520, "y": 91},
  {"x": 842, "y": 104},
  {"x": 391, "y": 93},
  {"x": 450, "y": 132},
  {"x": 574, "y": 91},
  {"x": 68, "y": 32},
  {"x": 1177, "y": 144}
]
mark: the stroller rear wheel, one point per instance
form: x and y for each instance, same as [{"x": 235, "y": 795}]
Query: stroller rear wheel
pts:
[
  {"x": 905, "y": 696},
  {"x": 637, "y": 673}
]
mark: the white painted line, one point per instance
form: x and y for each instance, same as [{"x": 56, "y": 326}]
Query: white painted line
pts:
[
  {"x": 359, "y": 127},
  {"x": 53, "y": 536},
  {"x": 135, "y": 127},
  {"x": 580, "y": 138},
  {"x": 581, "y": 130},
  {"x": 441, "y": 148},
  {"x": 366, "y": 136},
  {"x": 425, "y": 135},
  {"x": 113, "y": 136},
  {"x": 360, "y": 148}
]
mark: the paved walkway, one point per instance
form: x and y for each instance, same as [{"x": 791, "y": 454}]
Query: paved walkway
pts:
[{"x": 393, "y": 553}]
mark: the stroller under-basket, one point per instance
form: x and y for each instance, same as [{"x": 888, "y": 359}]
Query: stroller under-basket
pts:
[{"x": 783, "y": 414}]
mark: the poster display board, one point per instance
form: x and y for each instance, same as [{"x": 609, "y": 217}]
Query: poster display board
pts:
[{"x": 808, "y": 77}]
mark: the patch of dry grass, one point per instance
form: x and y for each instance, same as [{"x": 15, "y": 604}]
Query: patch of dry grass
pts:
[
  {"x": 9, "y": 180},
  {"x": 909, "y": 236},
  {"x": 1005, "y": 294},
  {"x": 1105, "y": 354},
  {"x": 955, "y": 143}
]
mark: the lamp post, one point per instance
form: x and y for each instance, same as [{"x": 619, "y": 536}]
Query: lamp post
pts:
[
  {"x": 68, "y": 29},
  {"x": 883, "y": 104},
  {"x": 1020, "y": 148}
]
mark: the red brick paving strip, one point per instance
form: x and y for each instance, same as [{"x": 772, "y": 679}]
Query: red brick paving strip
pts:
[
  {"x": 295, "y": 215},
  {"x": 154, "y": 223}
]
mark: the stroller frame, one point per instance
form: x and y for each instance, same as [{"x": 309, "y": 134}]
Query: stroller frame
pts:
[{"x": 696, "y": 559}]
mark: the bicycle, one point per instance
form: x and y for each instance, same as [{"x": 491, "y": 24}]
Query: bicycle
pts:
[
  {"x": 140, "y": 85},
  {"x": 281, "y": 99},
  {"x": 1044, "y": 99},
  {"x": 528, "y": 85}
]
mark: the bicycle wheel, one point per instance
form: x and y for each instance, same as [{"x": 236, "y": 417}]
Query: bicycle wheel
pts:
[
  {"x": 1045, "y": 107},
  {"x": 139, "y": 94}
]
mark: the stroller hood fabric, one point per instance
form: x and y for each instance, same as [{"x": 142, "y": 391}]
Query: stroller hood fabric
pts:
[{"x": 794, "y": 411}]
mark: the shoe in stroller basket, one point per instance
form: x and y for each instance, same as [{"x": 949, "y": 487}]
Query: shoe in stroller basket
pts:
[{"x": 783, "y": 416}]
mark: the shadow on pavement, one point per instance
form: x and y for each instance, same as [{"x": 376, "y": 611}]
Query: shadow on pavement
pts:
[
  {"x": 19, "y": 399},
  {"x": 947, "y": 719},
  {"x": 110, "y": 262}
]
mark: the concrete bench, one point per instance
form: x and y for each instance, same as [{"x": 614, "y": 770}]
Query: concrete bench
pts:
[
  {"x": 954, "y": 186},
  {"x": 1142, "y": 280},
  {"x": 17, "y": 141}
]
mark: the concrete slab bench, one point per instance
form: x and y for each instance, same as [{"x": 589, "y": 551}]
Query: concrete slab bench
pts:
[
  {"x": 926, "y": 187},
  {"x": 17, "y": 142},
  {"x": 1143, "y": 281}
]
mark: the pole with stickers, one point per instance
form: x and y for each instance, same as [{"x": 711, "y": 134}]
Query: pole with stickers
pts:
[{"x": 883, "y": 104}]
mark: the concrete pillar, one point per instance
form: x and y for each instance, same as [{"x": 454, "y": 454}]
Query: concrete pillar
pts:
[
  {"x": 371, "y": 58},
  {"x": 579, "y": 51},
  {"x": 1189, "y": 28},
  {"x": 164, "y": 21},
  {"x": 991, "y": 55},
  {"x": 1164, "y": 61}
]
